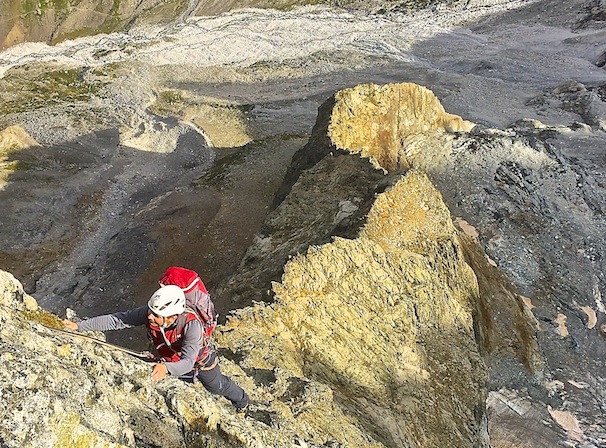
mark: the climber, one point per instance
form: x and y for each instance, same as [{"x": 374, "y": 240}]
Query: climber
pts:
[{"x": 180, "y": 338}]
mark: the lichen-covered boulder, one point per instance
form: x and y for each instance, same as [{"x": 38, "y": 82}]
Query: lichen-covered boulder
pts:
[
  {"x": 392, "y": 124},
  {"x": 385, "y": 320}
]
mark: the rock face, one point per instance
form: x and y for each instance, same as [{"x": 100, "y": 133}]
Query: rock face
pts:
[
  {"x": 508, "y": 189},
  {"x": 61, "y": 391},
  {"x": 111, "y": 177},
  {"x": 52, "y": 22},
  {"x": 392, "y": 124},
  {"x": 385, "y": 320},
  {"x": 371, "y": 339},
  {"x": 376, "y": 332},
  {"x": 388, "y": 325}
]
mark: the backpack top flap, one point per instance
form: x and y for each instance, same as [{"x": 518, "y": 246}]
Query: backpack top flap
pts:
[
  {"x": 196, "y": 295},
  {"x": 186, "y": 279}
]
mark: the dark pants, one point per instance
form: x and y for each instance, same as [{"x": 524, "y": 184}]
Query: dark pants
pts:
[{"x": 217, "y": 383}]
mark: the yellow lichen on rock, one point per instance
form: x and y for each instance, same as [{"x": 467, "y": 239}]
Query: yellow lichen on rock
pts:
[
  {"x": 67, "y": 431},
  {"x": 63, "y": 350},
  {"x": 384, "y": 319},
  {"x": 374, "y": 293},
  {"x": 12, "y": 294},
  {"x": 411, "y": 216},
  {"x": 12, "y": 140},
  {"x": 15, "y": 138},
  {"x": 392, "y": 124},
  {"x": 357, "y": 324}
]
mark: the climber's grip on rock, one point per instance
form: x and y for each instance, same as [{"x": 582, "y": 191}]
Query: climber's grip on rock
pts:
[
  {"x": 159, "y": 371},
  {"x": 71, "y": 325},
  {"x": 180, "y": 327}
]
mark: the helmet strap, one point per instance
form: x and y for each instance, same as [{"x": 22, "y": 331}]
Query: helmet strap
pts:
[{"x": 164, "y": 337}]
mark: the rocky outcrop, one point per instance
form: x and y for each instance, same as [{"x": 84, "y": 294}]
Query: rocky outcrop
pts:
[
  {"x": 512, "y": 190},
  {"x": 573, "y": 96},
  {"x": 536, "y": 202},
  {"x": 392, "y": 126},
  {"x": 385, "y": 320},
  {"x": 60, "y": 391},
  {"x": 388, "y": 325},
  {"x": 364, "y": 346},
  {"x": 370, "y": 339}
]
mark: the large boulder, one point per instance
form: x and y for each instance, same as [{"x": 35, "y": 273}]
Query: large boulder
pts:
[{"x": 385, "y": 320}]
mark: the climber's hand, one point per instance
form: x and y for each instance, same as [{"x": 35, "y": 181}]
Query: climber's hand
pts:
[
  {"x": 70, "y": 324},
  {"x": 159, "y": 372}
]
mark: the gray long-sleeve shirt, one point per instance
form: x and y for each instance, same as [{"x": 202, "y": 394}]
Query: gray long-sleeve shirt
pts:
[{"x": 192, "y": 335}]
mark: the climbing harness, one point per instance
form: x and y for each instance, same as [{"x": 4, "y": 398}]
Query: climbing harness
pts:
[{"x": 200, "y": 364}]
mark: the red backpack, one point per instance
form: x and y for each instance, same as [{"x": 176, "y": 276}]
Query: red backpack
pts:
[{"x": 197, "y": 298}]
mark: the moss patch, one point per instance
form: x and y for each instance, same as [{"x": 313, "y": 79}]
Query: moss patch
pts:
[
  {"x": 113, "y": 22},
  {"x": 33, "y": 87},
  {"x": 44, "y": 317},
  {"x": 170, "y": 102},
  {"x": 218, "y": 175},
  {"x": 41, "y": 7}
]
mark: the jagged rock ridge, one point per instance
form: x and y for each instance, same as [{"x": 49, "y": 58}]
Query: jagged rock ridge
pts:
[
  {"x": 512, "y": 186},
  {"x": 393, "y": 329},
  {"x": 377, "y": 320},
  {"x": 531, "y": 193},
  {"x": 375, "y": 331}
]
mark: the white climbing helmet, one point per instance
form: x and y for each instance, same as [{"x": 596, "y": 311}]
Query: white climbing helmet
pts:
[{"x": 167, "y": 301}]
